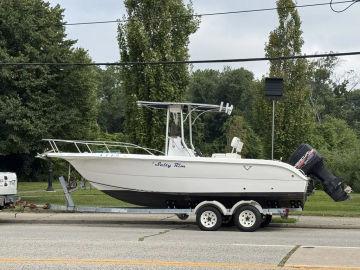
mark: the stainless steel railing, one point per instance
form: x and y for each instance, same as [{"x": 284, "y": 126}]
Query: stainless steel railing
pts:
[{"x": 57, "y": 146}]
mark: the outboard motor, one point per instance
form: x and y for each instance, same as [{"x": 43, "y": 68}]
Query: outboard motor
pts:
[{"x": 308, "y": 160}]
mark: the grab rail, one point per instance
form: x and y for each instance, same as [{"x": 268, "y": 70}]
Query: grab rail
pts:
[{"x": 106, "y": 146}]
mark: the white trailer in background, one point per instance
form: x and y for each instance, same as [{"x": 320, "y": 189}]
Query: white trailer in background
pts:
[{"x": 8, "y": 188}]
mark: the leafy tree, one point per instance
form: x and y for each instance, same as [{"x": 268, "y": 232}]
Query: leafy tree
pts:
[
  {"x": 234, "y": 86},
  {"x": 322, "y": 96},
  {"x": 238, "y": 127},
  {"x": 294, "y": 116},
  {"x": 203, "y": 87},
  {"x": 351, "y": 109},
  {"x": 111, "y": 98},
  {"x": 208, "y": 130},
  {"x": 340, "y": 146},
  {"x": 40, "y": 101},
  {"x": 331, "y": 96},
  {"x": 154, "y": 31}
]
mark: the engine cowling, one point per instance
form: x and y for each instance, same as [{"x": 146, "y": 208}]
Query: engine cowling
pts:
[{"x": 307, "y": 159}]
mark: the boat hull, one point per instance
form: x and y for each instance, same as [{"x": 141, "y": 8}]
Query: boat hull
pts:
[{"x": 165, "y": 181}]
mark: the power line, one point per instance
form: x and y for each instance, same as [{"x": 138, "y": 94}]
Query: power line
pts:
[
  {"x": 344, "y": 9},
  {"x": 225, "y": 12},
  {"x": 232, "y": 60}
]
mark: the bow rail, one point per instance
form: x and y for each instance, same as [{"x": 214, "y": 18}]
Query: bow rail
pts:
[{"x": 62, "y": 146}]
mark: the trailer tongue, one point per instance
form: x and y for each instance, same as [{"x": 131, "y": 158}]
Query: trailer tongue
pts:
[{"x": 308, "y": 160}]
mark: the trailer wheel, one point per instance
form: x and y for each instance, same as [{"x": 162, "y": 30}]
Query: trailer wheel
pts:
[
  {"x": 266, "y": 221},
  {"x": 208, "y": 218},
  {"x": 182, "y": 216},
  {"x": 247, "y": 218}
]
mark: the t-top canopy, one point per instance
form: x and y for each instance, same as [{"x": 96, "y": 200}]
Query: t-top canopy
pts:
[{"x": 185, "y": 105}]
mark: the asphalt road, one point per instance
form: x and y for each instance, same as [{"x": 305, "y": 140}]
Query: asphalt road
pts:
[{"x": 173, "y": 245}]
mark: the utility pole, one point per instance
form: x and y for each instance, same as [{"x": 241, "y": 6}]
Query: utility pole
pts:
[{"x": 273, "y": 90}]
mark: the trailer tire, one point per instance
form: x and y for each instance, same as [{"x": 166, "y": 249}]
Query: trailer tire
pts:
[
  {"x": 182, "y": 216},
  {"x": 208, "y": 218},
  {"x": 247, "y": 218},
  {"x": 266, "y": 221}
]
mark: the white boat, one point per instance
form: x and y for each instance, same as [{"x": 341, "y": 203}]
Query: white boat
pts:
[{"x": 179, "y": 177}]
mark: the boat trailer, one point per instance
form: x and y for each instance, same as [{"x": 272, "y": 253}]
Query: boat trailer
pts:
[{"x": 210, "y": 215}]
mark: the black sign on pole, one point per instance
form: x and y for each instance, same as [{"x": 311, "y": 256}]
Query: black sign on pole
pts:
[{"x": 274, "y": 88}]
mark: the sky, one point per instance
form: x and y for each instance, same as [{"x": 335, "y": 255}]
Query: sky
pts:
[{"x": 224, "y": 36}]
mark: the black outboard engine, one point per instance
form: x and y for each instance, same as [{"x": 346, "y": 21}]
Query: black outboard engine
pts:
[{"x": 308, "y": 160}]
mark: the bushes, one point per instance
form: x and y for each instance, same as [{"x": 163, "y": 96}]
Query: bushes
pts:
[{"x": 340, "y": 147}]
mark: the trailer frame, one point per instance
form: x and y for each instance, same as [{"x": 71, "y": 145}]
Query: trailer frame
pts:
[{"x": 182, "y": 213}]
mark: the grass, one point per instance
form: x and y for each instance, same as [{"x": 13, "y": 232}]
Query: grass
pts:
[
  {"x": 318, "y": 204},
  {"x": 34, "y": 192}
]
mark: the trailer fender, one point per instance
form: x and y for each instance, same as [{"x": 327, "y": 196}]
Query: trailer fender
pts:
[
  {"x": 241, "y": 203},
  {"x": 216, "y": 204}
]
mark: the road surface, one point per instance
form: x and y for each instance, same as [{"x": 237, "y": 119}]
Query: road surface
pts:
[{"x": 172, "y": 245}]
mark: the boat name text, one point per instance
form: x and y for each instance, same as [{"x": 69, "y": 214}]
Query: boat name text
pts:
[{"x": 169, "y": 164}]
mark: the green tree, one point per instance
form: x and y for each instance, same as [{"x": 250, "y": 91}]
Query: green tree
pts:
[
  {"x": 234, "y": 86},
  {"x": 294, "y": 116},
  {"x": 40, "y": 101},
  {"x": 154, "y": 31},
  {"x": 203, "y": 87},
  {"x": 340, "y": 146},
  {"x": 351, "y": 109},
  {"x": 112, "y": 101},
  {"x": 237, "y": 126},
  {"x": 331, "y": 96},
  {"x": 322, "y": 94}
]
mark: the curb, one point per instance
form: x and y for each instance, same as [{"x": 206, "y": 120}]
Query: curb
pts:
[
  {"x": 50, "y": 218},
  {"x": 315, "y": 226},
  {"x": 162, "y": 222}
]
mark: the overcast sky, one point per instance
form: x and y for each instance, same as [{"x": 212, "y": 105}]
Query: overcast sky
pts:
[{"x": 229, "y": 36}]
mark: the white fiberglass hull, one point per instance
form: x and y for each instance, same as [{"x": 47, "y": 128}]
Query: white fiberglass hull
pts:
[{"x": 162, "y": 180}]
